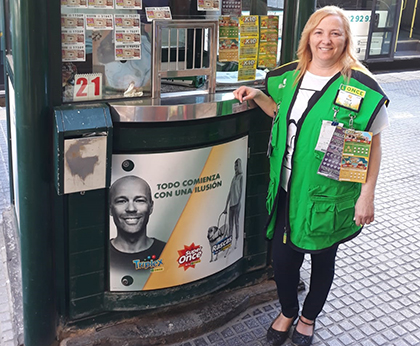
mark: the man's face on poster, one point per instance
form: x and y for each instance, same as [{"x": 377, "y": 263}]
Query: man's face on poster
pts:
[{"x": 131, "y": 205}]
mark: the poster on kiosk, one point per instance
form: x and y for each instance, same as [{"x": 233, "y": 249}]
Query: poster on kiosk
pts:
[{"x": 176, "y": 217}]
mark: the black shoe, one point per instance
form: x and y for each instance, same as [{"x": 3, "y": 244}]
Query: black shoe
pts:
[
  {"x": 299, "y": 339},
  {"x": 277, "y": 338}
]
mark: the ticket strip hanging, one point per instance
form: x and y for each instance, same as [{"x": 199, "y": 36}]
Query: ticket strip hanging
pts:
[
  {"x": 127, "y": 42},
  {"x": 158, "y": 13},
  {"x": 208, "y": 5},
  {"x": 355, "y": 158},
  {"x": 73, "y": 47},
  {"x": 99, "y": 21},
  {"x": 269, "y": 37},
  {"x": 74, "y": 26},
  {"x": 127, "y": 37},
  {"x": 128, "y": 4},
  {"x": 77, "y": 27},
  {"x": 231, "y": 8},
  {"x": 347, "y": 155},
  {"x": 228, "y": 38},
  {"x": 101, "y": 4},
  {"x": 248, "y": 47}
]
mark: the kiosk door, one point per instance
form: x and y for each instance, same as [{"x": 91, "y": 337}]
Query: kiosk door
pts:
[{"x": 383, "y": 30}]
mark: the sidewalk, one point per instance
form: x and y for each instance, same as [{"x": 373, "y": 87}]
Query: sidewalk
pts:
[
  {"x": 6, "y": 325},
  {"x": 4, "y": 164},
  {"x": 375, "y": 298}
]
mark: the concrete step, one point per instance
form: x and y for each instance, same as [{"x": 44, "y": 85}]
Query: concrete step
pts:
[{"x": 408, "y": 45}]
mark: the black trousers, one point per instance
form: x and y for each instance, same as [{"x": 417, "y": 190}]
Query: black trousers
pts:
[{"x": 287, "y": 263}]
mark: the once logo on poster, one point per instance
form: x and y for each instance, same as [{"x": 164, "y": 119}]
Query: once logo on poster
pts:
[{"x": 190, "y": 256}]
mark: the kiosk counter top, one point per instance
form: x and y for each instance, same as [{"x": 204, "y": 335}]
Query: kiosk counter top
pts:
[
  {"x": 185, "y": 121},
  {"x": 185, "y": 106}
]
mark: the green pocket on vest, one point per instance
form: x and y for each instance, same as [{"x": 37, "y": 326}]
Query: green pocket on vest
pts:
[
  {"x": 327, "y": 214},
  {"x": 345, "y": 214}
]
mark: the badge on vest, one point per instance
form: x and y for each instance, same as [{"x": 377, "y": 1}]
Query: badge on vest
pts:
[{"x": 349, "y": 97}]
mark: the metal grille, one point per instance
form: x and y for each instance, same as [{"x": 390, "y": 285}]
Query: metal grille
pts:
[{"x": 191, "y": 50}]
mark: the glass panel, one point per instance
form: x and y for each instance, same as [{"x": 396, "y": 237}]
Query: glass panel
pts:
[
  {"x": 107, "y": 50},
  {"x": 386, "y": 15},
  {"x": 381, "y": 43},
  {"x": 385, "y": 11}
]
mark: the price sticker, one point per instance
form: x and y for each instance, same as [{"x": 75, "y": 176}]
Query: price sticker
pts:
[{"x": 87, "y": 87}]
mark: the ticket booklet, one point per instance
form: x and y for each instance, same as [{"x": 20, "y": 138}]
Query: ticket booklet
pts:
[{"x": 347, "y": 155}]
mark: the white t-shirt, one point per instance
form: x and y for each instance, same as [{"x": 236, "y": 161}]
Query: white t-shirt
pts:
[{"x": 310, "y": 84}]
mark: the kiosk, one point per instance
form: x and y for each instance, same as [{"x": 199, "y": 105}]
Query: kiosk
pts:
[{"x": 116, "y": 103}]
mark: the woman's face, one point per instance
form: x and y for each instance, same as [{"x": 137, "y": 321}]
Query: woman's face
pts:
[{"x": 327, "y": 41}]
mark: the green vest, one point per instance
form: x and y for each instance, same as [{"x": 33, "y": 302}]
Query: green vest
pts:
[{"x": 319, "y": 211}]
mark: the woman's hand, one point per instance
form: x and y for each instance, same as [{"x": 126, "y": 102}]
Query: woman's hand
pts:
[
  {"x": 245, "y": 93},
  {"x": 364, "y": 210}
]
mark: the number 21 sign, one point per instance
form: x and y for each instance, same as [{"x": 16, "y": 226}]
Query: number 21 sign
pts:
[{"x": 87, "y": 87}]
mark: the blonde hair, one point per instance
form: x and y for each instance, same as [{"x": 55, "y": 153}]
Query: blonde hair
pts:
[{"x": 348, "y": 58}]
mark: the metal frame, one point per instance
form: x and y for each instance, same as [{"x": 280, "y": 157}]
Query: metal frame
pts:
[
  {"x": 388, "y": 29},
  {"x": 175, "y": 69}
]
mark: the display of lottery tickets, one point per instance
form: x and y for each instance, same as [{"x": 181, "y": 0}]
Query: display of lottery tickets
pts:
[
  {"x": 269, "y": 36},
  {"x": 347, "y": 156},
  {"x": 248, "y": 47},
  {"x": 330, "y": 164},
  {"x": 228, "y": 38},
  {"x": 355, "y": 158}
]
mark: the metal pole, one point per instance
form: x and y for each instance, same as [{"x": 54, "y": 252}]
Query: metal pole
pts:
[
  {"x": 295, "y": 15},
  {"x": 34, "y": 25}
]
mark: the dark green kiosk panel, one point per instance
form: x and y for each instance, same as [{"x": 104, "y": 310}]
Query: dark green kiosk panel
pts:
[{"x": 205, "y": 170}]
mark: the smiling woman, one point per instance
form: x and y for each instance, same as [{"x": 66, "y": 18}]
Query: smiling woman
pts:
[
  {"x": 327, "y": 29},
  {"x": 327, "y": 43},
  {"x": 310, "y": 213}
]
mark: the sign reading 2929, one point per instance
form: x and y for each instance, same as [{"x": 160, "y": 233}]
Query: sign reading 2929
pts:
[{"x": 359, "y": 19}]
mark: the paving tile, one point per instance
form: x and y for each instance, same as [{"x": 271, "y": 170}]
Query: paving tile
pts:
[
  {"x": 324, "y": 334},
  {"x": 226, "y": 333},
  {"x": 379, "y": 339},
  {"x": 236, "y": 341},
  {"x": 259, "y": 332},
  {"x": 214, "y": 337},
  {"x": 412, "y": 340},
  {"x": 200, "y": 342},
  {"x": 346, "y": 339}
]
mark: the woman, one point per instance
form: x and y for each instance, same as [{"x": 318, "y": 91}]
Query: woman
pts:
[{"x": 308, "y": 212}]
